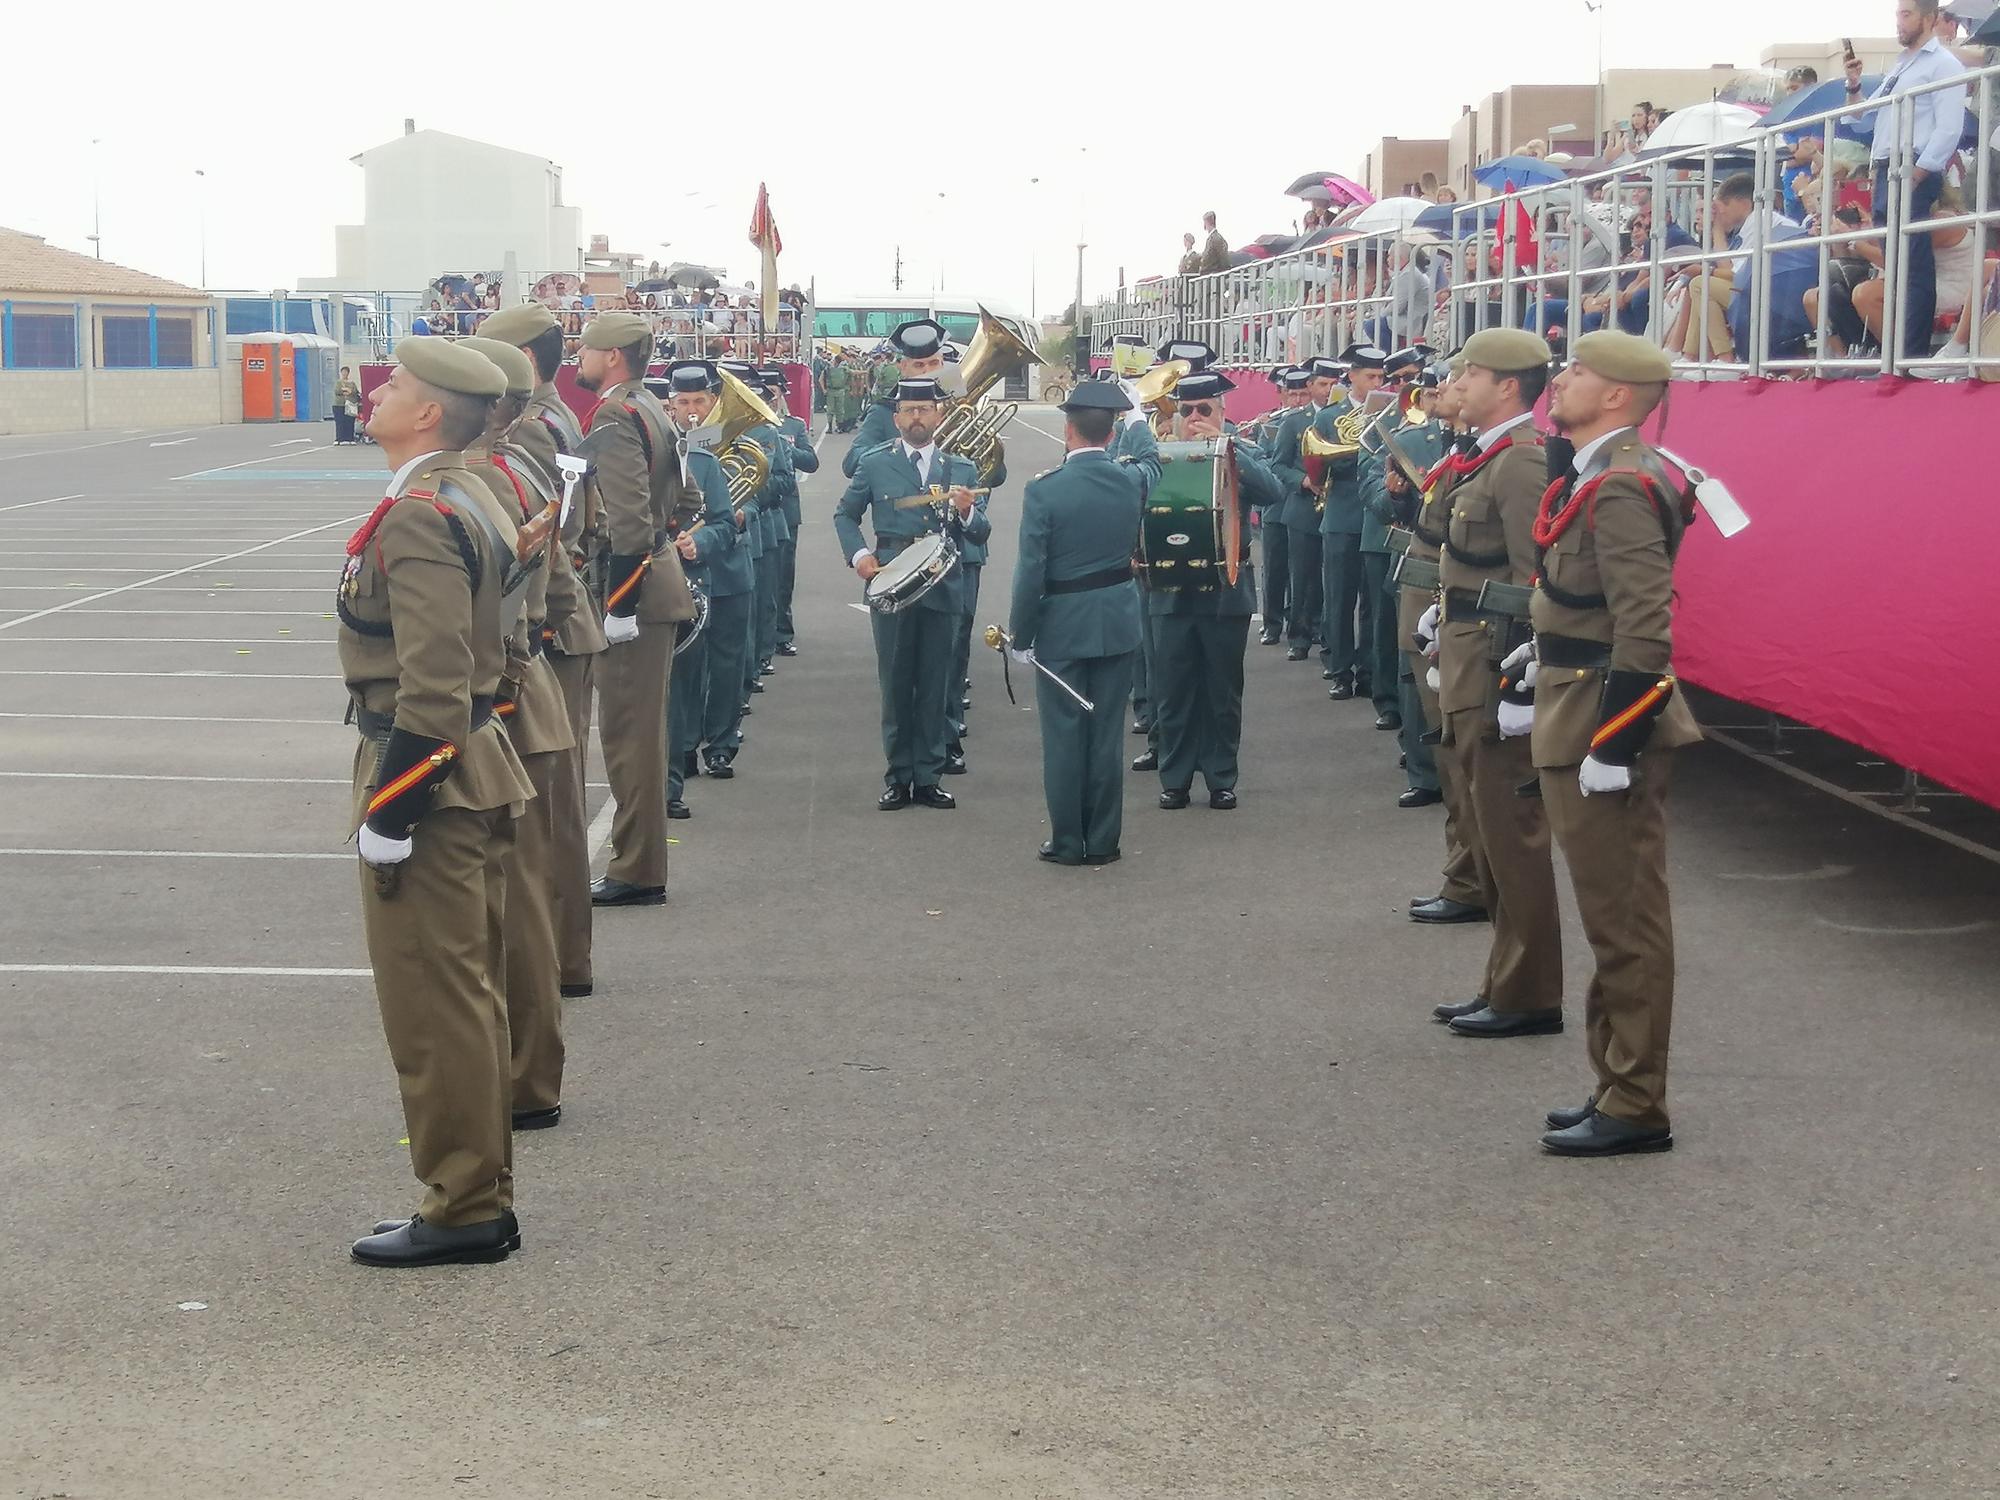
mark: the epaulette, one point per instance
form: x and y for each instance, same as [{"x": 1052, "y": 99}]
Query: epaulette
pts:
[
  {"x": 879, "y": 448},
  {"x": 1047, "y": 472}
]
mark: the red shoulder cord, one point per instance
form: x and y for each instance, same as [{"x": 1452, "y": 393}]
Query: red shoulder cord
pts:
[
  {"x": 520, "y": 491},
  {"x": 1551, "y": 523},
  {"x": 366, "y": 533}
]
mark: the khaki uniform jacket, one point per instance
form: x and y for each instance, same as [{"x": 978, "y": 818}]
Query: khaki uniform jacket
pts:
[
  {"x": 1621, "y": 551},
  {"x": 1491, "y": 534},
  {"x": 631, "y": 443},
  {"x": 546, "y": 428},
  {"x": 539, "y": 720},
  {"x": 418, "y": 641}
]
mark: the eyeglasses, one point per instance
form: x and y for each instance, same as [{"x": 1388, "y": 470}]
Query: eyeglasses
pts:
[{"x": 1200, "y": 409}]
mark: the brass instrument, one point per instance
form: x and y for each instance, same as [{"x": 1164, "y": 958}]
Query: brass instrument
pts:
[
  {"x": 745, "y": 466},
  {"x": 1321, "y": 453},
  {"x": 1155, "y": 390},
  {"x": 968, "y": 429}
]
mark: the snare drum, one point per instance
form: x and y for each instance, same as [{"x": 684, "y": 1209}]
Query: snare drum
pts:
[
  {"x": 1192, "y": 535},
  {"x": 687, "y": 632},
  {"x": 911, "y": 574}
]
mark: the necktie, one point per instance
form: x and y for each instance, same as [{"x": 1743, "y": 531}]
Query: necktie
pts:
[{"x": 917, "y": 463}]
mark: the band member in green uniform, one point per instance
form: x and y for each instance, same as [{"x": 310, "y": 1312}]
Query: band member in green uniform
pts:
[
  {"x": 804, "y": 459},
  {"x": 919, "y": 345}
]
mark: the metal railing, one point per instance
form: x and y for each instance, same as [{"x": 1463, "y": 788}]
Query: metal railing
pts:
[{"x": 1636, "y": 246}]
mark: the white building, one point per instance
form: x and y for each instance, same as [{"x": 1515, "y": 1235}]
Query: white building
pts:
[{"x": 438, "y": 203}]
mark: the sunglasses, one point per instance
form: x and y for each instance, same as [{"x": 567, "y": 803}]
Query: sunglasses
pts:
[{"x": 1200, "y": 409}]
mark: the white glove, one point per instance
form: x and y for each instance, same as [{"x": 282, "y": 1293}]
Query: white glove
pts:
[
  {"x": 1595, "y": 776},
  {"x": 619, "y": 628},
  {"x": 1520, "y": 667},
  {"x": 378, "y": 849},
  {"x": 1025, "y": 658},
  {"x": 1427, "y": 628},
  {"x": 1431, "y": 677},
  {"x": 1516, "y": 719}
]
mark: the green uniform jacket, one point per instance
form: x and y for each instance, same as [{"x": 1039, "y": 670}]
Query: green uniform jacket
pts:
[
  {"x": 885, "y": 476},
  {"x": 1342, "y": 515},
  {"x": 722, "y": 562},
  {"x": 1138, "y": 450},
  {"x": 1298, "y": 510},
  {"x": 1079, "y": 519},
  {"x": 1424, "y": 444},
  {"x": 766, "y": 508},
  {"x": 878, "y": 426},
  {"x": 805, "y": 460}
]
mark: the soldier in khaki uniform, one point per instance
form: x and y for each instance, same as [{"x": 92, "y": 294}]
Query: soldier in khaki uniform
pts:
[
  {"x": 1606, "y": 720},
  {"x": 531, "y": 706},
  {"x": 629, "y": 442},
  {"x": 572, "y": 633},
  {"x": 437, "y": 787},
  {"x": 1492, "y": 494},
  {"x": 1459, "y": 895}
]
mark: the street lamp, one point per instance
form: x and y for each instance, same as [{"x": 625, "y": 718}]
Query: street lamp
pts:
[
  {"x": 201, "y": 218},
  {"x": 1596, "y": 8},
  {"x": 96, "y": 220},
  {"x": 1032, "y": 310}
]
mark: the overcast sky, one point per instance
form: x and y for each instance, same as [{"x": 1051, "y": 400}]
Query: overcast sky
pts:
[{"x": 858, "y": 116}]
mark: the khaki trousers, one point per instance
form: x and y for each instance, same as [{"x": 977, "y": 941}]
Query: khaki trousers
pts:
[
  {"x": 1718, "y": 290},
  {"x": 534, "y": 1001},
  {"x": 437, "y": 952},
  {"x": 1509, "y": 840},
  {"x": 569, "y": 812},
  {"x": 1461, "y": 881},
  {"x": 1616, "y": 847},
  {"x": 632, "y": 727}
]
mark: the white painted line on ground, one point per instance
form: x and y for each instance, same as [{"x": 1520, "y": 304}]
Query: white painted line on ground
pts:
[
  {"x": 155, "y": 776},
  {"x": 281, "y": 614},
  {"x": 189, "y": 672},
  {"x": 332, "y": 558},
  {"x": 246, "y": 970},
  {"x": 197, "y": 588},
  {"x": 171, "y": 443},
  {"x": 224, "y": 468},
  {"x": 179, "y": 572},
  {"x": 238, "y": 572},
  {"x": 169, "y": 854},
  {"x": 31, "y": 504},
  {"x": 170, "y": 719},
  {"x": 172, "y": 640},
  {"x": 86, "y": 447},
  {"x": 1853, "y": 799},
  {"x": 291, "y": 442}
]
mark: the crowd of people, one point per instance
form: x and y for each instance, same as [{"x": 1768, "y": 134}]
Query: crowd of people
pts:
[{"x": 700, "y": 322}]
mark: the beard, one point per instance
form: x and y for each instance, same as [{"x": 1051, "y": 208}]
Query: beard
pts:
[{"x": 591, "y": 383}]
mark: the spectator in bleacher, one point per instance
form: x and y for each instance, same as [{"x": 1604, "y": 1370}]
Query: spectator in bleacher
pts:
[
  {"x": 1190, "y": 257},
  {"x": 1937, "y": 119},
  {"x": 1214, "y": 249},
  {"x": 1732, "y": 227},
  {"x": 1800, "y": 78},
  {"x": 1851, "y": 262},
  {"x": 1632, "y": 137},
  {"x": 1951, "y": 255}
]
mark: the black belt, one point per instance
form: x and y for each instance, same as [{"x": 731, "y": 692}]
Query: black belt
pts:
[
  {"x": 1571, "y": 651},
  {"x": 1462, "y": 604},
  {"x": 374, "y": 726},
  {"x": 538, "y": 637},
  {"x": 1109, "y": 578}
]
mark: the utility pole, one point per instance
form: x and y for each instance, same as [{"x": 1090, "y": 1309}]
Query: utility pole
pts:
[
  {"x": 899, "y": 268},
  {"x": 96, "y": 218},
  {"x": 201, "y": 210},
  {"x": 1077, "y": 346}
]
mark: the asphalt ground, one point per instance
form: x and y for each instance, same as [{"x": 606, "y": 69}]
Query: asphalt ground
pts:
[{"x": 896, "y": 1163}]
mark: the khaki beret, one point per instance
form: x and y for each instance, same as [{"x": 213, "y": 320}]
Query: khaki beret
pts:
[
  {"x": 450, "y": 366},
  {"x": 516, "y": 366},
  {"x": 518, "y": 325},
  {"x": 1623, "y": 357},
  {"x": 1506, "y": 350},
  {"x": 616, "y": 330}
]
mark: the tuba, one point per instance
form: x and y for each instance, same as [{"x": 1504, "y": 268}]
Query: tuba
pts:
[
  {"x": 745, "y": 466},
  {"x": 969, "y": 429},
  {"x": 1320, "y": 454}
]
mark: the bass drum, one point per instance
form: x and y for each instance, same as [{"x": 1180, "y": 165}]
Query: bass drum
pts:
[
  {"x": 1191, "y": 536},
  {"x": 687, "y": 632}
]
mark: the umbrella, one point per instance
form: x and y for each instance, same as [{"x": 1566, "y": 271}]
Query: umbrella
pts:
[
  {"x": 1309, "y": 180},
  {"x": 1346, "y": 189},
  {"x": 1988, "y": 32},
  {"x": 1387, "y": 216},
  {"x": 1703, "y": 125},
  {"x": 1971, "y": 14},
  {"x": 1817, "y": 100},
  {"x": 1459, "y": 219},
  {"x": 1520, "y": 171}
]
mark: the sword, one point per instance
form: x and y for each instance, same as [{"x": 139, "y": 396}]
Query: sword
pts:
[{"x": 999, "y": 640}]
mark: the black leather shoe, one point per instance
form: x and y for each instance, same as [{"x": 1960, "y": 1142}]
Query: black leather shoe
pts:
[
  {"x": 755, "y": 687},
  {"x": 678, "y": 809},
  {"x": 1451, "y": 1012},
  {"x": 954, "y": 764},
  {"x": 788, "y": 649},
  {"x": 578, "y": 990},
  {"x": 1420, "y": 796},
  {"x": 1388, "y": 721},
  {"x": 894, "y": 800},
  {"x": 1295, "y": 653},
  {"x": 765, "y": 669},
  {"x": 1563, "y": 1119},
  {"x": 958, "y": 730},
  {"x": 419, "y": 1244},
  {"x": 1505, "y": 1023},
  {"x": 507, "y": 1218},
  {"x": 1048, "y": 852},
  {"x": 1326, "y": 674},
  {"x": 1606, "y": 1135},
  {"x": 719, "y": 768},
  {"x": 604, "y": 891},
  {"x": 1175, "y": 800},
  {"x": 934, "y": 796},
  {"x": 1222, "y": 800},
  {"x": 1442, "y": 910},
  {"x": 1268, "y": 638},
  {"x": 746, "y": 710},
  {"x": 1103, "y": 859},
  {"x": 1147, "y": 761},
  {"x": 538, "y": 1119},
  {"x": 1142, "y": 726},
  {"x": 1341, "y": 690}
]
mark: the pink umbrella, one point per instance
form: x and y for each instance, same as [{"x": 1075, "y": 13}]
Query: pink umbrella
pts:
[
  {"x": 1346, "y": 190},
  {"x": 1330, "y": 188}
]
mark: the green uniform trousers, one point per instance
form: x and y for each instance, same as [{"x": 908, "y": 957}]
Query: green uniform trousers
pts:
[
  {"x": 1083, "y": 766},
  {"x": 686, "y": 708},
  {"x": 770, "y": 581},
  {"x": 914, "y": 652},
  {"x": 1616, "y": 847},
  {"x": 728, "y": 643},
  {"x": 788, "y": 575},
  {"x": 1380, "y": 659},
  {"x": 1198, "y": 697},
  {"x": 1343, "y": 593}
]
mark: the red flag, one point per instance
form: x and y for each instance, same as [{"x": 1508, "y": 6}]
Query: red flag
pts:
[
  {"x": 764, "y": 235},
  {"x": 1521, "y": 231}
]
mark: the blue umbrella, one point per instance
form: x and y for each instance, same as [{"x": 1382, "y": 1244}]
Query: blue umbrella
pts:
[
  {"x": 1458, "y": 220},
  {"x": 1817, "y": 100},
  {"x": 1523, "y": 171}
]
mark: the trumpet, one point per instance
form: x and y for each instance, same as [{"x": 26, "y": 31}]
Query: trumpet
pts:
[
  {"x": 1321, "y": 453},
  {"x": 969, "y": 429}
]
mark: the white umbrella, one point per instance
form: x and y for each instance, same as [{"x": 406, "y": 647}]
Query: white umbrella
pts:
[
  {"x": 1702, "y": 125},
  {"x": 1386, "y": 216}
]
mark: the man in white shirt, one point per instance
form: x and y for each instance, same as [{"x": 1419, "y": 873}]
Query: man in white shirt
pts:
[{"x": 1936, "y": 121}]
